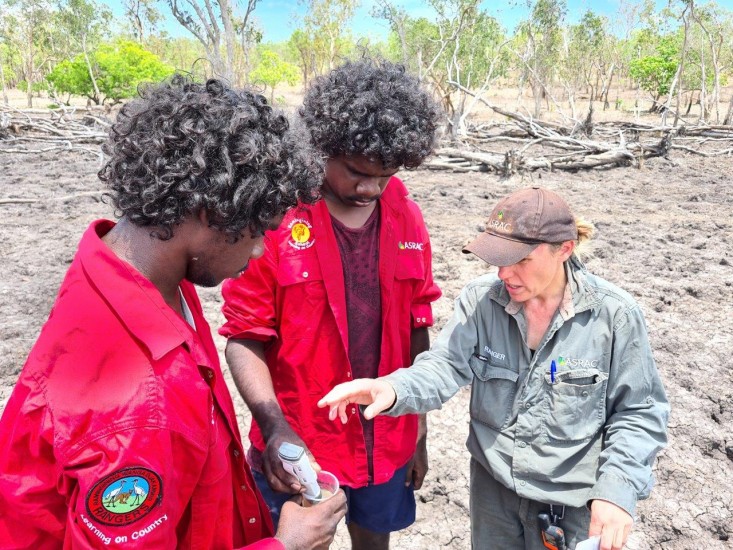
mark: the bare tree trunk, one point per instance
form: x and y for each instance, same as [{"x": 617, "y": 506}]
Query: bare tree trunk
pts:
[
  {"x": 678, "y": 75},
  {"x": 689, "y": 103},
  {"x": 702, "y": 97},
  {"x": 29, "y": 69},
  {"x": 715, "y": 99},
  {"x": 607, "y": 87},
  {"x": 537, "y": 89},
  {"x": 729, "y": 114},
  {"x": 2, "y": 80},
  {"x": 97, "y": 94}
]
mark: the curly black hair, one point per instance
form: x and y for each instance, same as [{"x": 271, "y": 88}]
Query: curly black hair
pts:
[
  {"x": 183, "y": 146},
  {"x": 371, "y": 108}
]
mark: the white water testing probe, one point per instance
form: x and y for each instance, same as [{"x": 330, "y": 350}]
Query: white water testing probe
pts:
[{"x": 296, "y": 462}]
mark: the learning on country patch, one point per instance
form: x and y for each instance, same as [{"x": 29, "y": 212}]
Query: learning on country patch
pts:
[{"x": 124, "y": 496}]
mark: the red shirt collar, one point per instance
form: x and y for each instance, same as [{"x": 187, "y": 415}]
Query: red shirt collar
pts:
[{"x": 160, "y": 329}]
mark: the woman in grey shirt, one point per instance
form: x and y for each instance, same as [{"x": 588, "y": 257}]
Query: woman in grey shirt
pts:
[{"x": 567, "y": 408}]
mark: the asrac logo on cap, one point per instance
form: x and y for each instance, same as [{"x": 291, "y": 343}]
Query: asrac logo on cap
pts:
[{"x": 499, "y": 224}]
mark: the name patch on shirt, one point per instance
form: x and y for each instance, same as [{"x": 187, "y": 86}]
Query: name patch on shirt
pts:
[
  {"x": 124, "y": 496},
  {"x": 300, "y": 234},
  {"x": 494, "y": 354},
  {"x": 411, "y": 245}
]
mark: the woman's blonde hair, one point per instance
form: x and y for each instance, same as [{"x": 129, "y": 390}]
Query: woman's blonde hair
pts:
[{"x": 586, "y": 230}]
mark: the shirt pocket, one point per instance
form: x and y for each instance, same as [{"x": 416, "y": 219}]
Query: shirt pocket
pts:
[
  {"x": 492, "y": 392},
  {"x": 303, "y": 296},
  {"x": 577, "y": 404}
]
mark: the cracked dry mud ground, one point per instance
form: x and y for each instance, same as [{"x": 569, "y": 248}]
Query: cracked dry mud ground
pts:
[{"x": 665, "y": 234}]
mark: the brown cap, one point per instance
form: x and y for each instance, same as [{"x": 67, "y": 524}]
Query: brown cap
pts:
[{"x": 520, "y": 223}]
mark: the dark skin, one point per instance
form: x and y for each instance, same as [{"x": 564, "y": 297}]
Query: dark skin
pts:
[
  {"x": 204, "y": 256},
  {"x": 351, "y": 190},
  {"x": 246, "y": 359}
]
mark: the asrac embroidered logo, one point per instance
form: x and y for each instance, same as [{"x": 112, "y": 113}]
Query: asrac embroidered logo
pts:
[
  {"x": 571, "y": 362},
  {"x": 499, "y": 224},
  {"x": 411, "y": 245}
]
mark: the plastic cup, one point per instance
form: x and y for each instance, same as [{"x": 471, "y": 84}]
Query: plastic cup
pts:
[{"x": 328, "y": 484}]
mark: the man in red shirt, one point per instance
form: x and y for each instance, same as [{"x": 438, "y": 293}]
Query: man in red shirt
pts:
[
  {"x": 344, "y": 290},
  {"x": 120, "y": 432}
]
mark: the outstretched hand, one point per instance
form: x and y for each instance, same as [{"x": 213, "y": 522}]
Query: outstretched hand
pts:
[{"x": 376, "y": 393}]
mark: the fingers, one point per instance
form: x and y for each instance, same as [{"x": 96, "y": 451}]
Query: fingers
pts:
[
  {"x": 409, "y": 472},
  {"x": 418, "y": 477},
  {"x": 337, "y": 503},
  {"x": 343, "y": 392},
  {"x": 612, "y": 538},
  {"x": 278, "y": 479}
]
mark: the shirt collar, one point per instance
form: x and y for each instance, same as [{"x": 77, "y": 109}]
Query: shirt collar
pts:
[{"x": 135, "y": 299}]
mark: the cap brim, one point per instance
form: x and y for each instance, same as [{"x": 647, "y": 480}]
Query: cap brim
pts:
[{"x": 498, "y": 251}]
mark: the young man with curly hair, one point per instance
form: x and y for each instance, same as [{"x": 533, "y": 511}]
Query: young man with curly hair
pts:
[
  {"x": 121, "y": 432},
  {"x": 344, "y": 290}
]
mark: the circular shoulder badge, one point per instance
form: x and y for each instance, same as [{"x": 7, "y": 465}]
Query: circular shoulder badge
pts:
[
  {"x": 124, "y": 496},
  {"x": 300, "y": 234}
]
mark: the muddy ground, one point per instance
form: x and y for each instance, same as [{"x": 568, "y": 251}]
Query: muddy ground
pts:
[{"x": 665, "y": 234}]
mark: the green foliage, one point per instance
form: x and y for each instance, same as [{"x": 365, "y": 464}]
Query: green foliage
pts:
[
  {"x": 124, "y": 65},
  {"x": 183, "y": 54},
  {"x": 119, "y": 69},
  {"x": 71, "y": 77},
  {"x": 272, "y": 70},
  {"x": 324, "y": 38},
  {"x": 655, "y": 72},
  {"x": 36, "y": 87}
]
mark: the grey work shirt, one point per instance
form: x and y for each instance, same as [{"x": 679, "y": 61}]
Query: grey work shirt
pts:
[{"x": 593, "y": 434}]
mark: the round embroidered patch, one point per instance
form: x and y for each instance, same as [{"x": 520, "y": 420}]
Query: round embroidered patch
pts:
[
  {"x": 124, "y": 496},
  {"x": 300, "y": 233}
]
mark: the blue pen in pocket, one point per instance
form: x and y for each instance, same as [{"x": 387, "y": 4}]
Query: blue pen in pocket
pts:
[{"x": 553, "y": 370}]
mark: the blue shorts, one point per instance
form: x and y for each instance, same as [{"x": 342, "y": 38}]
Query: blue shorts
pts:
[{"x": 380, "y": 508}]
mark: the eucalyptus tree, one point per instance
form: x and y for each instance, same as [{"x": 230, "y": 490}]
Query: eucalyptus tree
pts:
[
  {"x": 84, "y": 22},
  {"x": 30, "y": 21},
  {"x": 539, "y": 47},
  {"x": 144, "y": 17},
  {"x": 221, "y": 26},
  {"x": 323, "y": 38},
  {"x": 272, "y": 70}
]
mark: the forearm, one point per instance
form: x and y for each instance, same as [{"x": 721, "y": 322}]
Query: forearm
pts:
[
  {"x": 632, "y": 440},
  {"x": 636, "y": 427},
  {"x": 246, "y": 360},
  {"x": 419, "y": 342},
  {"x": 438, "y": 373}
]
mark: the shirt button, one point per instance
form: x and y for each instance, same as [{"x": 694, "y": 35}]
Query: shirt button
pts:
[
  {"x": 252, "y": 520},
  {"x": 584, "y": 394},
  {"x": 243, "y": 487},
  {"x": 236, "y": 453},
  {"x": 305, "y": 274},
  {"x": 522, "y": 444},
  {"x": 523, "y": 483},
  {"x": 210, "y": 375},
  {"x": 527, "y": 405}
]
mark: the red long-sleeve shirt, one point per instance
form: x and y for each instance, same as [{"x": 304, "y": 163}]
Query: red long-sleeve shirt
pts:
[
  {"x": 293, "y": 299},
  {"x": 120, "y": 432}
]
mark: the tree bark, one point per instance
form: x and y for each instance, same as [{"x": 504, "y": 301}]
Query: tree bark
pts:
[{"x": 2, "y": 80}]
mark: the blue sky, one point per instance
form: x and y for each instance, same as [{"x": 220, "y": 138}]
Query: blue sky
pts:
[{"x": 278, "y": 18}]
